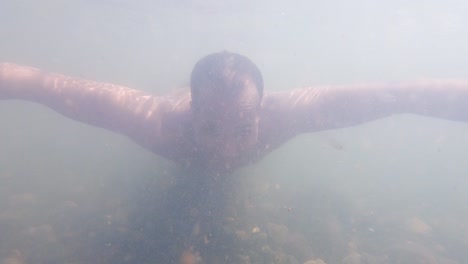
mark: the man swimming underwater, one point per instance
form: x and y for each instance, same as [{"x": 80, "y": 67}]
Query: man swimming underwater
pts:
[{"x": 226, "y": 121}]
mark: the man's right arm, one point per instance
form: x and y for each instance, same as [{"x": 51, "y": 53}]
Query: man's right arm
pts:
[{"x": 147, "y": 119}]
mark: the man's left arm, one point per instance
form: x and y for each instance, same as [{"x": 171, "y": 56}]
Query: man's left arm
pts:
[{"x": 337, "y": 106}]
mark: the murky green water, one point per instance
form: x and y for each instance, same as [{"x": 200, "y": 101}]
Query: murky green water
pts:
[{"x": 391, "y": 191}]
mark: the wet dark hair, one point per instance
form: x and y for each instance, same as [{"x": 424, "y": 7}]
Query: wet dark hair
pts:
[{"x": 224, "y": 72}]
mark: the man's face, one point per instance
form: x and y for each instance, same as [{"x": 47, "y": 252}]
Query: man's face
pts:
[{"x": 226, "y": 126}]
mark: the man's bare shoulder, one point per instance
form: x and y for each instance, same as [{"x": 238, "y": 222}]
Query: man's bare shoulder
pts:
[
  {"x": 273, "y": 121},
  {"x": 282, "y": 115},
  {"x": 169, "y": 133}
]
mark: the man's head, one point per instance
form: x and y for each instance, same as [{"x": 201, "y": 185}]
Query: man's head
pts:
[{"x": 226, "y": 89}]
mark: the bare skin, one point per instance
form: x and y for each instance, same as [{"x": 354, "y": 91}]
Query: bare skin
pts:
[{"x": 226, "y": 133}]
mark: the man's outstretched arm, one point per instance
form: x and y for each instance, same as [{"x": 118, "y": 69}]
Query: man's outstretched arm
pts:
[
  {"x": 338, "y": 106},
  {"x": 131, "y": 112}
]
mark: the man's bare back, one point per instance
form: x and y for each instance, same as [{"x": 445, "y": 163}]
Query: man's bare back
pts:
[{"x": 226, "y": 121}]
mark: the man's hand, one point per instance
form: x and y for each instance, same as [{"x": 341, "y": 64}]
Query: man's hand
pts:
[{"x": 17, "y": 81}]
